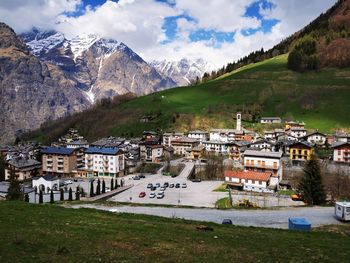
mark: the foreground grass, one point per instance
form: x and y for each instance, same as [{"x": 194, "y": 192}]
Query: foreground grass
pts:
[{"x": 44, "y": 233}]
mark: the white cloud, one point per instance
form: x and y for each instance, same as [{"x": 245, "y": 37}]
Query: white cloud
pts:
[
  {"x": 138, "y": 23},
  {"x": 22, "y": 15}
]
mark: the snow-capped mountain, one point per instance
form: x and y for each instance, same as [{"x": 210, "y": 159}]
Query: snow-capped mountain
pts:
[
  {"x": 184, "y": 70},
  {"x": 101, "y": 67}
]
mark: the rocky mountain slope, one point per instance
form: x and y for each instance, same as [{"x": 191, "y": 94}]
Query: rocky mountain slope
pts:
[
  {"x": 183, "y": 71},
  {"x": 101, "y": 67},
  {"x": 31, "y": 91}
]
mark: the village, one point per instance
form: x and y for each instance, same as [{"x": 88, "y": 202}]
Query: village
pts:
[{"x": 197, "y": 168}]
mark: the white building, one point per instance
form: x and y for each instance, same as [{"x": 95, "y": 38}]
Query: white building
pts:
[
  {"x": 269, "y": 120},
  {"x": 249, "y": 180},
  {"x": 105, "y": 162},
  {"x": 218, "y": 147},
  {"x": 297, "y": 132},
  {"x": 169, "y": 136},
  {"x": 263, "y": 145},
  {"x": 341, "y": 152},
  {"x": 201, "y": 136},
  {"x": 152, "y": 153},
  {"x": 46, "y": 183},
  {"x": 264, "y": 162},
  {"x": 316, "y": 138}
]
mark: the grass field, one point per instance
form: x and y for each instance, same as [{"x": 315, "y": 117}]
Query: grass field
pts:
[
  {"x": 45, "y": 233},
  {"x": 320, "y": 99}
]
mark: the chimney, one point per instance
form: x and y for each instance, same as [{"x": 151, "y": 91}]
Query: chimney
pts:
[{"x": 238, "y": 124}]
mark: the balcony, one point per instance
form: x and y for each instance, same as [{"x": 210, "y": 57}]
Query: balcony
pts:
[{"x": 261, "y": 166}]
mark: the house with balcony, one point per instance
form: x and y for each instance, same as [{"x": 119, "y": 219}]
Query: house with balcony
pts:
[
  {"x": 316, "y": 138},
  {"x": 169, "y": 136},
  {"x": 294, "y": 124},
  {"x": 104, "y": 162},
  {"x": 183, "y": 146},
  {"x": 22, "y": 168},
  {"x": 260, "y": 161},
  {"x": 341, "y": 152},
  {"x": 249, "y": 180},
  {"x": 300, "y": 151},
  {"x": 235, "y": 149},
  {"x": 199, "y": 135},
  {"x": 62, "y": 161},
  {"x": 297, "y": 132},
  {"x": 216, "y": 147}
]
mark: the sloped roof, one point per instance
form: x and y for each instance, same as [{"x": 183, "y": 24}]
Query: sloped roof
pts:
[
  {"x": 250, "y": 175},
  {"x": 263, "y": 154},
  {"x": 339, "y": 144},
  {"x": 102, "y": 150},
  {"x": 58, "y": 150}
]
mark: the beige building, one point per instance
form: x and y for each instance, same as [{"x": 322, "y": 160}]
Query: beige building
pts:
[
  {"x": 22, "y": 168},
  {"x": 183, "y": 146},
  {"x": 61, "y": 161}
]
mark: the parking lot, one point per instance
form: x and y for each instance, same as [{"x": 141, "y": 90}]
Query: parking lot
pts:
[{"x": 198, "y": 194}]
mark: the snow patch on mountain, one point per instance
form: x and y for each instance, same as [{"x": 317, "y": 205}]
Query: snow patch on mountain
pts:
[
  {"x": 81, "y": 43},
  {"x": 42, "y": 45},
  {"x": 184, "y": 70}
]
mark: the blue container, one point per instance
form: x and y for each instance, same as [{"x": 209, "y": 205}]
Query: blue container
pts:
[{"x": 299, "y": 224}]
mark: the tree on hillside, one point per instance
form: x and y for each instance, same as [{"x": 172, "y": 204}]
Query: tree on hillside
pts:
[
  {"x": 311, "y": 185},
  {"x": 14, "y": 191},
  {"x": 2, "y": 168}
]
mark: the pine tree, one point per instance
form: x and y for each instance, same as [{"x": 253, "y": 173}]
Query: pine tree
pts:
[
  {"x": 70, "y": 194},
  {"x": 14, "y": 190},
  {"x": 112, "y": 184},
  {"x": 77, "y": 194},
  {"x": 98, "y": 188},
  {"x": 2, "y": 168},
  {"x": 51, "y": 197},
  {"x": 103, "y": 186},
  {"x": 26, "y": 198},
  {"x": 311, "y": 185},
  {"x": 41, "y": 197},
  {"x": 92, "y": 188},
  {"x": 61, "y": 195}
]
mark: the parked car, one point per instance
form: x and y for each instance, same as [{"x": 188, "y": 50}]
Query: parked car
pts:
[
  {"x": 184, "y": 185},
  {"x": 197, "y": 180},
  {"x": 149, "y": 185},
  {"x": 162, "y": 189},
  {"x": 157, "y": 185},
  {"x": 160, "y": 195},
  {"x": 171, "y": 185},
  {"x": 68, "y": 182},
  {"x": 227, "y": 221},
  {"x": 153, "y": 188},
  {"x": 75, "y": 180},
  {"x": 166, "y": 184},
  {"x": 173, "y": 175},
  {"x": 136, "y": 177},
  {"x": 296, "y": 197},
  {"x": 142, "y": 176},
  {"x": 152, "y": 195},
  {"x": 177, "y": 185},
  {"x": 142, "y": 194}
]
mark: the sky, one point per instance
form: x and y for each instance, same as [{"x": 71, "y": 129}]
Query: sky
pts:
[{"x": 219, "y": 31}]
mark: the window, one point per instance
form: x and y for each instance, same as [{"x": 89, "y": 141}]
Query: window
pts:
[{"x": 260, "y": 182}]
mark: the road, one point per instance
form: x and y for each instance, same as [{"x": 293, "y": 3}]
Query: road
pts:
[{"x": 317, "y": 216}]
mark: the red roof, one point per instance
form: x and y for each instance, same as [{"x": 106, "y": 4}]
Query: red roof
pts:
[{"x": 250, "y": 175}]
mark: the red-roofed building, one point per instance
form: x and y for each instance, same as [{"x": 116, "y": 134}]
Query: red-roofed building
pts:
[{"x": 249, "y": 180}]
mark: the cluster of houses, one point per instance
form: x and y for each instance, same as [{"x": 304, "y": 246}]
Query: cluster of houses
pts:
[{"x": 260, "y": 154}]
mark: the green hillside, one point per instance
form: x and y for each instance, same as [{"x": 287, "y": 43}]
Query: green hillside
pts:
[
  {"x": 46, "y": 233},
  {"x": 268, "y": 88}
]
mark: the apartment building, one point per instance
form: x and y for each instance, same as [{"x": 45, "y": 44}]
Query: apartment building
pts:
[
  {"x": 261, "y": 161},
  {"x": 104, "y": 162},
  {"x": 61, "y": 161}
]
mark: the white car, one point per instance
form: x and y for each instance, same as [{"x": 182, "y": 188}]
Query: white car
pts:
[
  {"x": 68, "y": 182},
  {"x": 184, "y": 185},
  {"x": 152, "y": 195},
  {"x": 162, "y": 189}
]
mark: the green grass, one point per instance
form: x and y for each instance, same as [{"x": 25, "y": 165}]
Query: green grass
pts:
[
  {"x": 223, "y": 203},
  {"x": 320, "y": 99},
  {"x": 221, "y": 188},
  {"x": 287, "y": 192},
  {"x": 44, "y": 233}
]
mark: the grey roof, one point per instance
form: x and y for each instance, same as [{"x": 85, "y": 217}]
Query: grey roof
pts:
[
  {"x": 215, "y": 142},
  {"x": 303, "y": 143},
  {"x": 20, "y": 162},
  {"x": 57, "y": 150},
  {"x": 263, "y": 154},
  {"x": 47, "y": 177},
  {"x": 198, "y": 131},
  {"x": 338, "y": 144}
]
